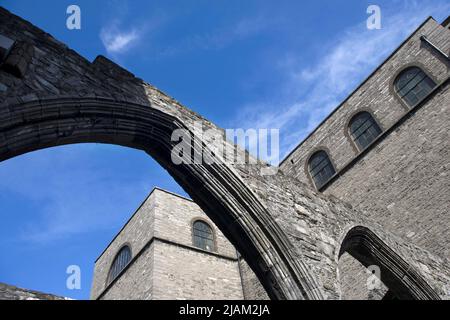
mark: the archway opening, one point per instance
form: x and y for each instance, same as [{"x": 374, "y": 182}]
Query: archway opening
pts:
[
  {"x": 369, "y": 259},
  {"x": 64, "y": 206}
]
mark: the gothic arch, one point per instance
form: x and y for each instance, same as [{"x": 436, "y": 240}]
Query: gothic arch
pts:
[
  {"x": 398, "y": 275},
  {"x": 217, "y": 188}
]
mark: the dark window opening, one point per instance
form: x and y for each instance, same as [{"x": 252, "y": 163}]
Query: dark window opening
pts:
[
  {"x": 203, "y": 236},
  {"x": 364, "y": 130},
  {"x": 120, "y": 262},
  {"x": 412, "y": 85},
  {"x": 321, "y": 168}
]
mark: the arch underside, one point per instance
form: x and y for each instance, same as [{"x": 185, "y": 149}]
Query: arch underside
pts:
[
  {"x": 403, "y": 281},
  {"x": 216, "y": 188}
]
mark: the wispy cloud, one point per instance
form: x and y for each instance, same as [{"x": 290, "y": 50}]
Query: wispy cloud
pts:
[
  {"x": 344, "y": 63},
  {"x": 118, "y": 41},
  {"x": 125, "y": 30},
  {"x": 220, "y": 37}
]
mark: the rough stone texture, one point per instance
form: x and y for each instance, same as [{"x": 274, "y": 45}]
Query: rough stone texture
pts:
[
  {"x": 19, "y": 59},
  {"x": 317, "y": 225},
  {"x": 403, "y": 181},
  {"x": 251, "y": 286},
  {"x": 290, "y": 235},
  {"x": 136, "y": 283},
  {"x": 174, "y": 216},
  {"x": 8, "y": 292},
  {"x": 412, "y": 162},
  {"x": 181, "y": 273},
  {"x": 353, "y": 277},
  {"x": 167, "y": 265}
]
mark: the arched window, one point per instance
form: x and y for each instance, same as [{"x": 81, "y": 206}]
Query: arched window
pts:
[
  {"x": 120, "y": 262},
  {"x": 412, "y": 85},
  {"x": 203, "y": 236},
  {"x": 364, "y": 129},
  {"x": 321, "y": 168}
]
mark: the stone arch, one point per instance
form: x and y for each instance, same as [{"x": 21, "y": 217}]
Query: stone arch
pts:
[
  {"x": 397, "y": 274},
  {"x": 217, "y": 188}
]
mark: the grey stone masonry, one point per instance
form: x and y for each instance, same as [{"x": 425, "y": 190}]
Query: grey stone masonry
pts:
[
  {"x": 252, "y": 288},
  {"x": 8, "y": 292},
  {"x": 402, "y": 180},
  {"x": 165, "y": 264}
]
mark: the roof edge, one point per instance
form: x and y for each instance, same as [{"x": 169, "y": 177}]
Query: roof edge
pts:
[
  {"x": 136, "y": 211},
  {"x": 356, "y": 89}
]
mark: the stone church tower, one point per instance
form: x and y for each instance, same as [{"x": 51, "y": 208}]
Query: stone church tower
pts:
[
  {"x": 166, "y": 262},
  {"x": 367, "y": 190}
]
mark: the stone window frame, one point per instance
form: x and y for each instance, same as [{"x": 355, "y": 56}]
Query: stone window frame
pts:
[
  {"x": 308, "y": 159},
  {"x": 348, "y": 134},
  {"x": 393, "y": 79},
  {"x": 110, "y": 281},
  {"x": 193, "y": 221}
]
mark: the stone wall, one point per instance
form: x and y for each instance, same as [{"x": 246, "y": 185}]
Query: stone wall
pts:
[
  {"x": 165, "y": 263},
  {"x": 354, "y": 278},
  {"x": 251, "y": 286},
  {"x": 8, "y": 292},
  {"x": 183, "y": 273},
  {"x": 407, "y": 187},
  {"x": 402, "y": 180},
  {"x": 174, "y": 216},
  {"x": 317, "y": 224}
]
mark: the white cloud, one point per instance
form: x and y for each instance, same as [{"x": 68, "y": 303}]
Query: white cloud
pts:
[
  {"x": 343, "y": 64},
  {"x": 117, "y": 41}
]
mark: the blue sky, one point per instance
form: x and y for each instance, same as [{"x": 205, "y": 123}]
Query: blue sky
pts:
[{"x": 241, "y": 64}]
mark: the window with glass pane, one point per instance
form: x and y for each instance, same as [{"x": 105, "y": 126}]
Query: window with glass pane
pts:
[
  {"x": 203, "y": 236},
  {"x": 120, "y": 262},
  {"x": 412, "y": 85},
  {"x": 321, "y": 169},
  {"x": 364, "y": 129}
]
